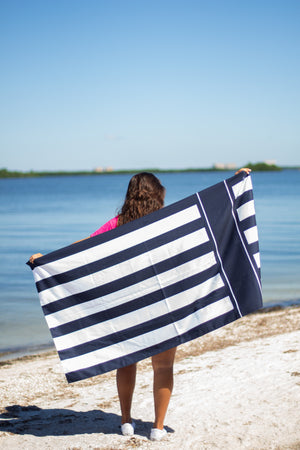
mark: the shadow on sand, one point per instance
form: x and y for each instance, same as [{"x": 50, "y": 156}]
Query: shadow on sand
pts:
[{"x": 33, "y": 420}]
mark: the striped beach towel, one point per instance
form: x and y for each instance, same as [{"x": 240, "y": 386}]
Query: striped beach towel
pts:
[{"x": 154, "y": 283}]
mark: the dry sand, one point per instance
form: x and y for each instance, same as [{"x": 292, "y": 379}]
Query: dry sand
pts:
[{"x": 235, "y": 388}]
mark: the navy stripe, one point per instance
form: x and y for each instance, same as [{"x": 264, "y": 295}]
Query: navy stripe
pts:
[
  {"x": 119, "y": 231},
  {"x": 119, "y": 257},
  {"x": 142, "y": 328},
  {"x": 247, "y": 223},
  {"x": 125, "y": 281},
  {"x": 254, "y": 248},
  {"x": 132, "y": 358},
  {"x": 141, "y": 302},
  {"x": 235, "y": 260},
  {"x": 247, "y": 196}
]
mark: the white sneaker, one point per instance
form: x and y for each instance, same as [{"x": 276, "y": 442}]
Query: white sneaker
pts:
[
  {"x": 157, "y": 434},
  {"x": 128, "y": 429}
]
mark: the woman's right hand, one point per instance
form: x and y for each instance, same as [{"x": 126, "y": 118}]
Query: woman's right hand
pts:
[
  {"x": 243, "y": 169},
  {"x": 33, "y": 257}
]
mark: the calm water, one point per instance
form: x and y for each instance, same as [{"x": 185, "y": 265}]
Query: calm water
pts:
[{"x": 43, "y": 214}]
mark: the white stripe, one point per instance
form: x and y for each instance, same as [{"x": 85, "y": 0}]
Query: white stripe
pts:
[
  {"x": 246, "y": 210},
  {"x": 251, "y": 235},
  {"x": 146, "y": 340},
  {"x": 242, "y": 186},
  {"x": 118, "y": 244},
  {"x": 141, "y": 315},
  {"x": 113, "y": 273},
  {"x": 257, "y": 259},
  {"x": 205, "y": 314},
  {"x": 159, "y": 281}
]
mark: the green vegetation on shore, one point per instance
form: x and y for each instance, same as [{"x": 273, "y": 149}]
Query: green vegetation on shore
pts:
[
  {"x": 262, "y": 167},
  {"x": 259, "y": 166}
]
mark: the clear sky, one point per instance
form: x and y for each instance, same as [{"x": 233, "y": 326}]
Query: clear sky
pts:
[{"x": 148, "y": 83}]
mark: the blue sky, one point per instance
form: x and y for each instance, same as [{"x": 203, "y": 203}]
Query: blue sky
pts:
[{"x": 148, "y": 83}]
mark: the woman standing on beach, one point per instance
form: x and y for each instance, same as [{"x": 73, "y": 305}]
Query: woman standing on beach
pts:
[{"x": 145, "y": 194}]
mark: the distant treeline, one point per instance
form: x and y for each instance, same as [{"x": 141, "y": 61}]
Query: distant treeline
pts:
[
  {"x": 4, "y": 173},
  {"x": 259, "y": 166},
  {"x": 262, "y": 167}
]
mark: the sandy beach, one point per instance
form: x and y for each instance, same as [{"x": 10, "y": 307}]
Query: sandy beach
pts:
[{"x": 235, "y": 388}]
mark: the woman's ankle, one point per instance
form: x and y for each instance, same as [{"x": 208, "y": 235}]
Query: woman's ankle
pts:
[
  {"x": 126, "y": 419},
  {"x": 158, "y": 425}
]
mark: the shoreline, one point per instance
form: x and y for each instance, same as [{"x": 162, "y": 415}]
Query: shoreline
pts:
[
  {"x": 257, "y": 167},
  {"x": 224, "y": 396},
  {"x": 19, "y": 353}
]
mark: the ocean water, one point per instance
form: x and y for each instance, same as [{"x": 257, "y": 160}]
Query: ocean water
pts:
[{"x": 43, "y": 214}]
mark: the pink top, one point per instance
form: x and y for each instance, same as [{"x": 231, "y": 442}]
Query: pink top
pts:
[{"x": 110, "y": 225}]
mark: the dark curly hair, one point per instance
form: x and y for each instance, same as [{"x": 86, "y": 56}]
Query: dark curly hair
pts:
[{"x": 145, "y": 194}]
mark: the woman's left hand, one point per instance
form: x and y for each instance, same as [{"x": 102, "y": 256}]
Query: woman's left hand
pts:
[
  {"x": 243, "y": 169},
  {"x": 33, "y": 257}
]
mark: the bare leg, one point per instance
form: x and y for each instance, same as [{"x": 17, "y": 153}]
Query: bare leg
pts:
[
  {"x": 162, "y": 384},
  {"x": 125, "y": 384}
]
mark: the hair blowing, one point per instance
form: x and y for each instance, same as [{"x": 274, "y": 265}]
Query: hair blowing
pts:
[{"x": 145, "y": 194}]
